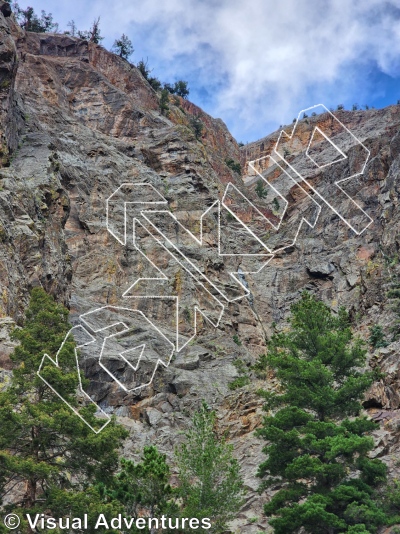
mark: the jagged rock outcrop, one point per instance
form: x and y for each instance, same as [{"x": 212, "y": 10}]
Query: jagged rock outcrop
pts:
[{"x": 76, "y": 122}]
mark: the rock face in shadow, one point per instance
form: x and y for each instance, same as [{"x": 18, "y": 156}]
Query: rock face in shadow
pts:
[{"x": 76, "y": 122}]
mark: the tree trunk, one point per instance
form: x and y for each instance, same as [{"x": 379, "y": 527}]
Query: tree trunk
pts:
[{"x": 30, "y": 493}]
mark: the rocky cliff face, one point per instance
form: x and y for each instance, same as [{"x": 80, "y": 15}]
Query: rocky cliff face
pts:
[{"x": 77, "y": 122}]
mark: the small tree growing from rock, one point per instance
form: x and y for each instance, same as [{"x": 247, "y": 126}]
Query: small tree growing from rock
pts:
[
  {"x": 123, "y": 46},
  {"x": 28, "y": 20},
  {"x": 197, "y": 126},
  {"x": 93, "y": 35},
  {"x": 261, "y": 190},
  {"x": 179, "y": 88},
  {"x": 164, "y": 100}
]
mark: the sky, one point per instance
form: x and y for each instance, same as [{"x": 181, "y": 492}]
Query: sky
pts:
[{"x": 256, "y": 63}]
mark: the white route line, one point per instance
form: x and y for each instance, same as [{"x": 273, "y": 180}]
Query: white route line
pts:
[
  {"x": 276, "y": 227},
  {"x": 180, "y": 258},
  {"x": 316, "y": 129},
  {"x": 283, "y": 133},
  {"x": 126, "y": 329},
  {"x": 162, "y": 201},
  {"x": 178, "y": 347},
  {"x": 55, "y": 362},
  {"x": 200, "y": 242}
]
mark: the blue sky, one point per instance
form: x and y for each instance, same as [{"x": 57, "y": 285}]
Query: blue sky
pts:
[{"x": 257, "y": 63}]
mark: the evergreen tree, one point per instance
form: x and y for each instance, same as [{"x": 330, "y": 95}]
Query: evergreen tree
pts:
[
  {"x": 261, "y": 190},
  {"x": 169, "y": 88},
  {"x": 210, "y": 483},
  {"x": 93, "y": 34},
  {"x": 197, "y": 126},
  {"x": 164, "y": 100},
  {"x": 318, "y": 444},
  {"x": 93, "y": 501},
  {"x": 28, "y": 19},
  {"x": 144, "y": 488},
  {"x": 45, "y": 449},
  {"x": 154, "y": 82},
  {"x": 391, "y": 503},
  {"x": 181, "y": 88},
  {"x": 144, "y": 68},
  {"x": 123, "y": 46}
]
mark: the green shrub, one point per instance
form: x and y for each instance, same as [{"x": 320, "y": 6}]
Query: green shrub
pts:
[
  {"x": 394, "y": 297},
  {"x": 234, "y": 165},
  {"x": 239, "y": 382},
  {"x": 123, "y": 47},
  {"x": 237, "y": 340},
  {"x": 377, "y": 337},
  {"x": 164, "y": 100},
  {"x": 261, "y": 190},
  {"x": 276, "y": 204},
  {"x": 197, "y": 126}
]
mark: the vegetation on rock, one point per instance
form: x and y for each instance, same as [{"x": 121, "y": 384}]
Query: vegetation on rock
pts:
[
  {"x": 164, "y": 100},
  {"x": 123, "y": 47},
  {"x": 261, "y": 190},
  {"x": 145, "y": 71},
  {"x": 394, "y": 297},
  {"x": 179, "y": 88},
  {"x": 197, "y": 126},
  {"x": 318, "y": 443},
  {"x": 210, "y": 483},
  {"x": 93, "y": 34},
  {"x": 31, "y": 22},
  {"x": 45, "y": 449},
  {"x": 234, "y": 165}
]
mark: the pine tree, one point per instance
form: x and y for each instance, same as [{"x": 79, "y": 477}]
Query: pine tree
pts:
[
  {"x": 197, "y": 126},
  {"x": 145, "y": 71},
  {"x": 29, "y": 21},
  {"x": 143, "y": 67},
  {"x": 210, "y": 483},
  {"x": 260, "y": 189},
  {"x": 181, "y": 88},
  {"x": 144, "y": 488},
  {"x": 45, "y": 449},
  {"x": 93, "y": 35},
  {"x": 164, "y": 100},
  {"x": 318, "y": 444},
  {"x": 123, "y": 46}
]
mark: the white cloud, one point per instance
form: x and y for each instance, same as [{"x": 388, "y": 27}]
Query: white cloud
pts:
[{"x": 262, "y": 60}]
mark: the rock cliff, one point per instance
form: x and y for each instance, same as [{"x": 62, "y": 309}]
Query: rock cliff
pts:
[{"x": 76, "y": 122}]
